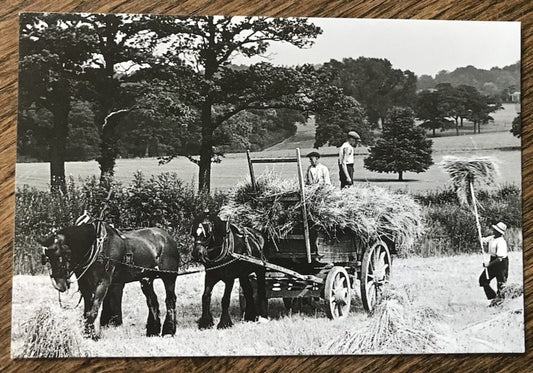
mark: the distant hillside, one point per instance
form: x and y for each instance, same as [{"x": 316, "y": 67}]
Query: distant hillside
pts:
[{"x": 496, "y": 82}]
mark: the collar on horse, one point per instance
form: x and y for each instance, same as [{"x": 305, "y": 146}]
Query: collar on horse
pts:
[{"x": 227, "y": 248}]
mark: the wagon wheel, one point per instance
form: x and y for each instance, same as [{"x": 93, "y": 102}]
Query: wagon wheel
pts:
[
  {"x": 337, "y": 293},
  {"x": 375, "y": 273}
]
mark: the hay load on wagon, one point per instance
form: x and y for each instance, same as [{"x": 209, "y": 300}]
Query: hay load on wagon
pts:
[{"x": 370, "y": 212}]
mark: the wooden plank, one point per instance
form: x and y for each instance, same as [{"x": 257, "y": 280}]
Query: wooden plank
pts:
[
  {"x": 304, "y": 211},
  {"x": 278, "y": 268},
  {"x": 251, "y": 167},
  {"x": 274, "y": 160}
]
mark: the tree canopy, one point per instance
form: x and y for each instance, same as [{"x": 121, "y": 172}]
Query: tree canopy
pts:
[
  {"x": 375, "y": 84},
  {"x": 403, "y": 146}
]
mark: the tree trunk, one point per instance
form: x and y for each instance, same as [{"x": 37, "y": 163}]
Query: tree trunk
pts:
[
  {"x": 400, "y": 175},
  {"x": 107, "y": 91},
  {"x": 433, "y": 131},
  {"x": 456, "y": 127},
  {"x": 108, "y": 154},
  {"x": 58, "y": 143},
  {"x": 206, "y": 150}
]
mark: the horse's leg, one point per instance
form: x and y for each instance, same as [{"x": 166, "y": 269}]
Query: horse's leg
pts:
[
  {"x": 94, "y": 306},
  {"x": 206, "y": 321},
  {"x": 250, "y": 312},
  {"x": 225, "y": 319},
  {"x": 87, "y": 305},
  {"x": 112, "y": 306},
  {"x": 153, "y": 324},
  {"x": 169, "y": 326},
  {"x": 262, "y": 302}
]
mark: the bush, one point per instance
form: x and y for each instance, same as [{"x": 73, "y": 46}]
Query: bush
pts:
[
  {"x": 162, "y": 201},
  {"x": 451, "y": 228}
]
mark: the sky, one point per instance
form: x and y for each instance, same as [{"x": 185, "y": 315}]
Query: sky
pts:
[{"x": 422, "y": 46}]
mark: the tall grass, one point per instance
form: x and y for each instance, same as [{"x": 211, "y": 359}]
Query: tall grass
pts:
[
  {"x": 162, "y": 201},
  {"x": 451, "y": 228},
  {"x": 165, "y": 201}
]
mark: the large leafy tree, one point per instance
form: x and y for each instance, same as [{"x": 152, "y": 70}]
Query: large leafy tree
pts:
[
  {"x": 53, "y": 49},
  {"x": 208, "y": 45},
  {"x": 118, "y": 74},
  {"x": 431, "y": 111},
  {"x": 403, "y": 146},
  {"x": 375, "y": 84}
]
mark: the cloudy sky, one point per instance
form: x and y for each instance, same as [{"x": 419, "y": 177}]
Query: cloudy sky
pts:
[{"x": 424, "y": 47}]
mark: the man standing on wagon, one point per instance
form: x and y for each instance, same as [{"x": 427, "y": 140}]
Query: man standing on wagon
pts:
[
  {"x": 346, "y": 159},
  {"x": 316, "y": 173},
  {"x": 498, "y": 266}
]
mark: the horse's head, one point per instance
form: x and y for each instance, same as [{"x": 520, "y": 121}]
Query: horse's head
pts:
[
  {"x": 66, "y": 251},
  {"x": 56, "y": 252},
  {"x": 208, "y": 232}
]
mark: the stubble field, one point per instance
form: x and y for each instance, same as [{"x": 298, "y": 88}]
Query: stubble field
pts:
[{"x": 447, "y": 285}]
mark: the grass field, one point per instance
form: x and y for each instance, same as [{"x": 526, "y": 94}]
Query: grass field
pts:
[
  {"x": 234, "y": 168},
  {"x": 448, "y": 285}
]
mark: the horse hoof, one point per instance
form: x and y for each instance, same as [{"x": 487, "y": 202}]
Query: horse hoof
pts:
[
  {"x": 224, "y": 325},
  {"x": 249, "y": 317},
  {"x": 205, "y": 324}
]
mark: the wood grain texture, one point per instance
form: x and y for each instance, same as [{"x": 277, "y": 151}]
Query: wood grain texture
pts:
[{"x": 502, "y": 10}]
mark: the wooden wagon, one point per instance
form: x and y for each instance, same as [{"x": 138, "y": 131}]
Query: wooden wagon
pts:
[{"x": 308, "y": 264}]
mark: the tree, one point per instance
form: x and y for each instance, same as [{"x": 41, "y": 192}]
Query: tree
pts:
[
  {"x": 403, "y": 146},
  {"x": 430, "y": 110},
  {"x": 516, "y": 127},
  {"x": 122, "y": 48},
  {"x": 53, "y": 48},
  {"x": 338, "y": 114},
  {"x": 209, "y": 43},
  {"x": 374, "y": 84},
  {"x": 479, "y": 108}
]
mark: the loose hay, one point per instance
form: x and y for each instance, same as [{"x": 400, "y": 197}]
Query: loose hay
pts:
[
  {"x": 368, "y": 211},
  {"x": 511, "y": 291},
  {"x": 396, "y": 326},
  {"x": 47, "y": 335},
  {"x": 462, "y": 171}
]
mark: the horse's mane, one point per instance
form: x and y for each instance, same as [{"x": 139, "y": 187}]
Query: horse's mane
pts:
[{"x": 79, "y": 238}]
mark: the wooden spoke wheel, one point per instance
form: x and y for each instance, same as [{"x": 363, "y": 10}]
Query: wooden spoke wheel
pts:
[
  {"x": 337, "y": 293},
  {"x": 375, "y": 273}
]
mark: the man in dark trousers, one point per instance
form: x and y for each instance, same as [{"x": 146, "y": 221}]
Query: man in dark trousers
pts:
[
  {"x": 346, "y": 158},
  {"x": 498, "y": 265}
]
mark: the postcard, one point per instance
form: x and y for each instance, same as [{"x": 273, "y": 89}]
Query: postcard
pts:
[{"x": 243, "y": 186}]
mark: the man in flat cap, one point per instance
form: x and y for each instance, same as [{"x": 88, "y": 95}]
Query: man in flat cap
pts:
[
  {"x": 346, "y": 158},
  {"x": 498, "y": 266},
  {"x": 316, "y": 173}
]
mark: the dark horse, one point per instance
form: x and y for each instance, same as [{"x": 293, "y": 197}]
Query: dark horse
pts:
[
  {"x": 214, "y": 242},
  {"x": 96, "y": 253}
]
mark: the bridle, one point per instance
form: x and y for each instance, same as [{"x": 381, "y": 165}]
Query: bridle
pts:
[
  {"x": 209, "y": 242},
  {"x": 85, "y": 263}
]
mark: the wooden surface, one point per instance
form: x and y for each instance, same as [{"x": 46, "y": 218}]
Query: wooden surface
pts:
[{"x": 510, "y": 10}]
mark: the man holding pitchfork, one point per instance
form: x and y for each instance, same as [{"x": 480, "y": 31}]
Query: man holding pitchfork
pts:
[{"x": 498, "y": 266}]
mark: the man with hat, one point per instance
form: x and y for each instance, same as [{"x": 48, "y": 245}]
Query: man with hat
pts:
[
  {"x": 316, "y": 173},
  {"x": 346, "y": 159},
  {"x": 498, "y": 266}
]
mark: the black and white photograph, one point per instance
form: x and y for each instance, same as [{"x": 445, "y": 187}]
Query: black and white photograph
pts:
[{"x": 255, "y": 186}]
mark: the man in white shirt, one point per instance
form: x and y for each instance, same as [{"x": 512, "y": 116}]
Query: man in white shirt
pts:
[
  {"x": 498, "y": 266},
  {"x": 346, "y": 159},
  {"x": 316, "y": 173}
]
